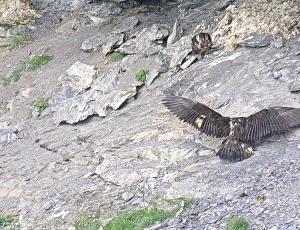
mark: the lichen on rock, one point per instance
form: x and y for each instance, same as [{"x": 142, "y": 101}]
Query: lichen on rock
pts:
[
  {"x": 16, "y": 12},
  {"x": 262, "y": 16}
]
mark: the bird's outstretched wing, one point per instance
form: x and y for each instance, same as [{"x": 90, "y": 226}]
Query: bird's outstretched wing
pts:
[
  {"x": 270, "y": 121},
  {"x": 200, "y": 116}
]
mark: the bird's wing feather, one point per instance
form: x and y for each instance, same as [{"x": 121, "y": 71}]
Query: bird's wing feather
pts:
[
  {"x": 200, "y": 116},
  {"x": 270, "y": 121}
]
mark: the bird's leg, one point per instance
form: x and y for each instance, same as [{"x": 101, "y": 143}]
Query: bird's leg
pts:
[{"x": 201, "y": 56}]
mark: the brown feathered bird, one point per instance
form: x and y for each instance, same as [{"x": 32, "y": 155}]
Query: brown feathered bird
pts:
[
  {"x": 238, "y": 131},
  {"x": 201, "y": 43}
]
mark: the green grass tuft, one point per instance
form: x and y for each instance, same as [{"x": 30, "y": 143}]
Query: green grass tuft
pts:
[
  {"x": 41, "y": 105},
  {"x": 237, "y": 223},
  {"x": 87, "y": 222},
  {"x": 6, "y": 222},
  {"x": 115, "y": 56},
  {"x": 138, "y": 219},
  {"x": 19, "y": 41},
  {"x": 29, "y": 65},
  {"x": 142, "y": 75},
  {"x": 108, "y": 21},
  {"x": 187, "y": 203}
]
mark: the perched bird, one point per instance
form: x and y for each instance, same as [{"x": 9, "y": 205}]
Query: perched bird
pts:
[
  {"x": 238, "y": 131},
  {"x": 201, "y": 43}
]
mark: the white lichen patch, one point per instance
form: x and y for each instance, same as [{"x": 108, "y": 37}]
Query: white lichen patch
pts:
[
  {"x": 16, "y": 12},
  {"x": 261, "y": 16}
]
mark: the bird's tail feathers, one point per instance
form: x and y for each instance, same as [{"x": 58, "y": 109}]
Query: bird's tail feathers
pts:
[{"x": 234, "y": 150}]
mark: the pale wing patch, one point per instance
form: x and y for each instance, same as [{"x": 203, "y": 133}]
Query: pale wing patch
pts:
[
  {"x": 199, "y": 121},
  {"x": 249, "y": 151}
]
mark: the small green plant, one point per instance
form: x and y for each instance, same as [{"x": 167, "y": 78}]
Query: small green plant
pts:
[
  {"x": 115, "y": 56},
  {"x": 6, "y": 223},
  {"x": 41, "y": 105},
  {"x": 237, "y": 223},
  {"x": 87, "y": 222},
  {"x": 29, "y": 65},
  {"x": 142, "y": 75},
  {"x": 108, "y": 21},
  {"x": 19, "y": 41}
]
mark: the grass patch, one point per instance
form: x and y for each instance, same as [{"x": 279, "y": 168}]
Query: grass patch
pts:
[
  {"x": 141, "y": 75},
  {"x": 108, "y": 21},
  {"x": 138, "y": 219},
  {"x": 30, "y": 65},
  {"x": 19, "y": 41},
  {"x": 13, "y": 77},
  {"x": 6, "y": 222},
  {"x": 115, "y": 56},
  {"x": 36, "y": 62},
  {"x": 237, "y": 223},
  {"x": 87, "y": 222},
  {"x": 41, "y": 105},
  {"x": 143, "y": 218}
]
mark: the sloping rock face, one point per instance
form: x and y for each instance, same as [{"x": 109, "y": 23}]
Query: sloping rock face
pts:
[
  {"x": 135, "y": 146},
  {"x": 144, "y": 150}
]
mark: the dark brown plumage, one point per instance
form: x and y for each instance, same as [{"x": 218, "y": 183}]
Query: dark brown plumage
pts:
[
  {"x": 201, "y": 43},
  {"x": 239, "y": 131}
]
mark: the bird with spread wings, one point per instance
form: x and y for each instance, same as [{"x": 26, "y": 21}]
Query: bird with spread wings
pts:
[{"x": 238, "y": 131}]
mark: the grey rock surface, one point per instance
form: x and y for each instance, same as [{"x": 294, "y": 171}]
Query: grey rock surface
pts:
[
  {"x": 7, "y": 135},
  {"x": 80, "y": 98},
  {"x": 4, "y": 42},
  {"x": 61, "y": 5},
  {"x": 177, "y": 52},
  {"x": 101, "y": 100},
  {"x": 147, "y": 41},
  {"x": 175, "y": 34},
  {"x": 108, "y": 42},
  {"x": 256, "y": 41},
  {"x": 126, "y": 25},
  {"x": 133, "y": 149},
  {"x": 295, "y": 86}
]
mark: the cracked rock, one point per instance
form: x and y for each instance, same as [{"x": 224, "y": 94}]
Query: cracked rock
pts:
[
  {"x": 177, "y": 52},
  {"x": 108, "y": 92},
  {"x": 79, "y": 77},
  {"x": 278, "y": 40},
  {"x": 109, "y": 42},
  {"x": 295, "y": 86},
  {"x": 8, "y": 135},
  {"x": 256, "y": 41},
  {"x": 148, "y": 41},
  {"x": 176, "y": 33},
  {"x": 126, "y": 25}
]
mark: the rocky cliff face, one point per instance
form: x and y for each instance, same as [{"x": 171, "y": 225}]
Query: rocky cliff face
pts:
[{"x": 106, "y": 144}]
